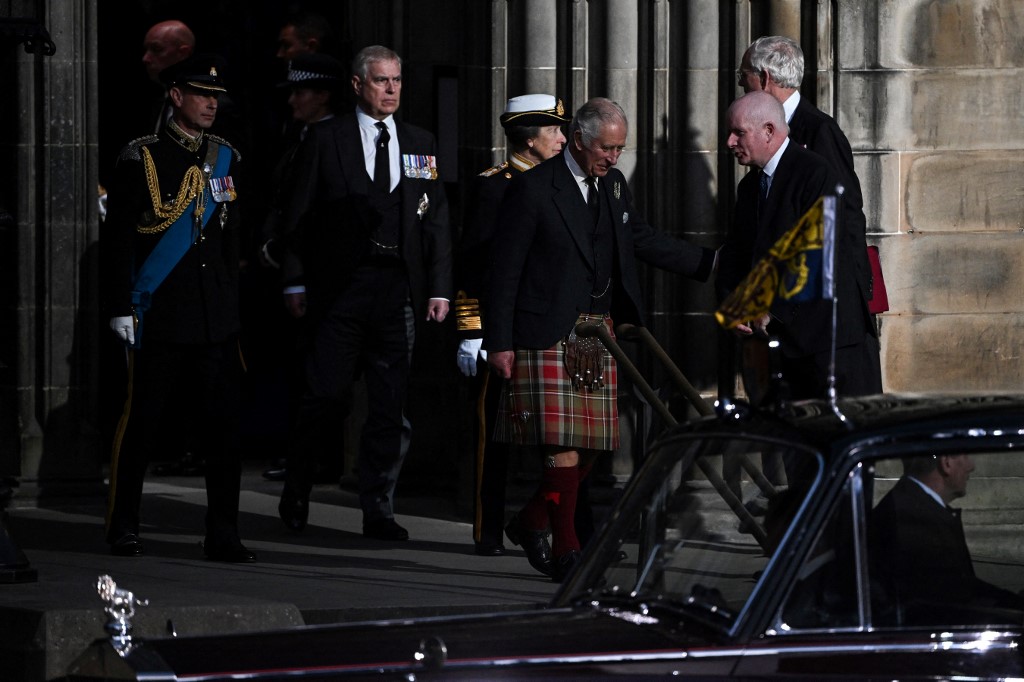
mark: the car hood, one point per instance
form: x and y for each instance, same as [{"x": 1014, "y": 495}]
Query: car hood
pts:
[{"x": 455, "y": 645}]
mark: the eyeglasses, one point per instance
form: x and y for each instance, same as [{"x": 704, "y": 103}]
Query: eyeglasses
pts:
[{"x": 740, "y": 72}]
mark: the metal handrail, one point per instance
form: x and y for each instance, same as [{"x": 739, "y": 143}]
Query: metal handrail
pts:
[{"x": 597, "y": 328}]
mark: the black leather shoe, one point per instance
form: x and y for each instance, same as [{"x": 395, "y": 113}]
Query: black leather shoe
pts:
[
  {"x": 128, "y": 544},
  {"x": 533, "y": 542},
  {"x": 276, "y": 474},
  {"x": 293, "y": 510},
  {"x": 230, "y": 553},
  {"x": 489, "y": 549},
  {"x": 384, "y": 529},
  {"x": 564, "y": 565}
]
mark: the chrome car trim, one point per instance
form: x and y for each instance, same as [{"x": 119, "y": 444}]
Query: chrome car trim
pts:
[
  {"x": 875, "y": 647},
  {"x": 860, "y": 533}
]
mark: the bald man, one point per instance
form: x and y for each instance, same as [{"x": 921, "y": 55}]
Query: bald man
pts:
[
  {"x": 166, "y": 43},
  {"x": 793, "y": 178}
]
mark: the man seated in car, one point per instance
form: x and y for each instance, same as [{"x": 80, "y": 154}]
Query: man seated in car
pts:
[{"x": 920, "y": 559}]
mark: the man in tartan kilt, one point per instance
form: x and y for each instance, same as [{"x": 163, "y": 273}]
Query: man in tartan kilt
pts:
[{"x": 565, "y": 252}]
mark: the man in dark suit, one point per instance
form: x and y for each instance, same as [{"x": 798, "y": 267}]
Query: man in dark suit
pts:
[
  {"x": 775, "y": 64},
  {"x": 565, "y": 252},
  {"x": 919, "y": 555},
  {"x": 174, "y": 245},
  {"x": 367, "y": 249},
  {"x": 788, "y": 181}
]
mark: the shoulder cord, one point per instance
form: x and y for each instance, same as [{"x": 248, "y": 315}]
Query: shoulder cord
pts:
[{"x": 192, "y": 186}]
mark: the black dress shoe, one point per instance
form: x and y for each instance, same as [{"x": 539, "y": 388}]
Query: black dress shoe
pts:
[
  {"x": 230, "y": 553},
  {"x": 294, "y": 511},
  {"x": 489, "y": 549},
  {"x": 533, "y": 542},
  {"x": 128, "y": 544},
  {"x": 384, "y": 529},
  {"x": 564, "y": 565},
  {"x": 276, "y": 474}
]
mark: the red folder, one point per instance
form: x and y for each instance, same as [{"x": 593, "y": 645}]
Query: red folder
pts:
[{"x": 879, "y": 300}]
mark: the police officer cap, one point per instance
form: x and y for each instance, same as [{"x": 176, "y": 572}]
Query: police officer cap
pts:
[
  {"x": 534, "y": 110},
  {"x": 314, "y": 70},
  {"x": 200, "y": 71}
]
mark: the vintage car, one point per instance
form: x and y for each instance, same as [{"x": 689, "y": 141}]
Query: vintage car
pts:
[{"x": 791, "y": 542}]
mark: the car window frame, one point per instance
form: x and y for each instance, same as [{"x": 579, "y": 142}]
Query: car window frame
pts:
[
  {"x": 697, "y": 445},
  {"x": 858, "y": 460}
]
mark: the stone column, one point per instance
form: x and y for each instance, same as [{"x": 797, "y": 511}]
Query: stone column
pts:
[
  {"x": 57, "y": 234},
  {"x": 784, "y": 18},
  {"x": 578, "y": 53},
  {"x": 541, "y": 42},
  {"x": 621, "y": 47}
]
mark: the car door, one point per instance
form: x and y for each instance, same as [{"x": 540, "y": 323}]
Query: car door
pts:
[{"x": 909, "y": 587}]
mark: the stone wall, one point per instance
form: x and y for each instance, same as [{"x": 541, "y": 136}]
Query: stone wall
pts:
[{"x": 930, "y": 96}]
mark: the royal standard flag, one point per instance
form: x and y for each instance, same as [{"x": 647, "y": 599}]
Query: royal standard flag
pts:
[{"x": 797, "y": 268}]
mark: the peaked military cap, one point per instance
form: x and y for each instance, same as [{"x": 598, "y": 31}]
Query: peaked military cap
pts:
[
  {"x": 314, "y": 70},
  {"x": 200, "y": 71},
  {"x": 534, "y": 110}
]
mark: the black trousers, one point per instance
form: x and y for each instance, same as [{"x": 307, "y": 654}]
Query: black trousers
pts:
[
  {"x": 858, "y": 371},
  {"x": 491, "y": 464},
  {"x": 367, "y": 329},
  {"x": 210, "y": 377}
]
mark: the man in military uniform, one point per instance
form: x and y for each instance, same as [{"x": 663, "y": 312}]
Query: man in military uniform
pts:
[
  {"x": 533, "y": 128},
  {"x": 174, "y": 246}
]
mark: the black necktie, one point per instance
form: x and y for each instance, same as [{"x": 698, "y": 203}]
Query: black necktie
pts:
[
  {"x": 382, "y": 161},
  {"x": 592, "y": 200},
  {"x": 765, "y": 183}
]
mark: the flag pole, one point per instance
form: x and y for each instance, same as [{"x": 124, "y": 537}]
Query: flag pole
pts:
[{"x": 829, "y": 261}]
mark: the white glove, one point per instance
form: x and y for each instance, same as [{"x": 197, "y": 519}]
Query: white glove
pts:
[
  {"x": 124, "y": 327},
  {"x": 469, "y": 349}
]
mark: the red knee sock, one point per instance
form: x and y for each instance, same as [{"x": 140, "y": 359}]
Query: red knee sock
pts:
[{"x": 559, "y": 486}]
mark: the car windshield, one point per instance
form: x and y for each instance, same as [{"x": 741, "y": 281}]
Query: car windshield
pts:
[{"x": 697, "y": 530}]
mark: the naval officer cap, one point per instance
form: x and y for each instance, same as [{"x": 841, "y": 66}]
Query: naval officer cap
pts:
[
  {"x": 200, "y": 71},
  {"x": 314, "y": 70},
  {"x": 534, "y": 110}
]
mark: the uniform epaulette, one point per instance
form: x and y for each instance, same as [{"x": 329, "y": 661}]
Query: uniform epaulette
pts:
[
  {"x": 494, "y": 169},
  {"x": 133, "y": 150},
  {"x": 220, "y": 140}
]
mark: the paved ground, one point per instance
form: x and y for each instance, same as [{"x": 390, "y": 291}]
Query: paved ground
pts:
[{"x": 328, "y": 573}]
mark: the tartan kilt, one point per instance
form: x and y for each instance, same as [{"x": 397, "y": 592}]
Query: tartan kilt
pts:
[{"x": 539, "y": 405}]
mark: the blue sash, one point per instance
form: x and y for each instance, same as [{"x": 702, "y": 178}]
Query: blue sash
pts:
[{"x": 171, "y": 248}]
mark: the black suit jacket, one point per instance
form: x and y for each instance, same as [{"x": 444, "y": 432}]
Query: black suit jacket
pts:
[
  {"x": 480, "y": 225},
  {"x": 328, "y": 221},
  {"x": 919, "y": 556},
  {"x": 800, "y": 179},
  {"x": 819, "y": 132},
  {"x": 540, "y": 267}
]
